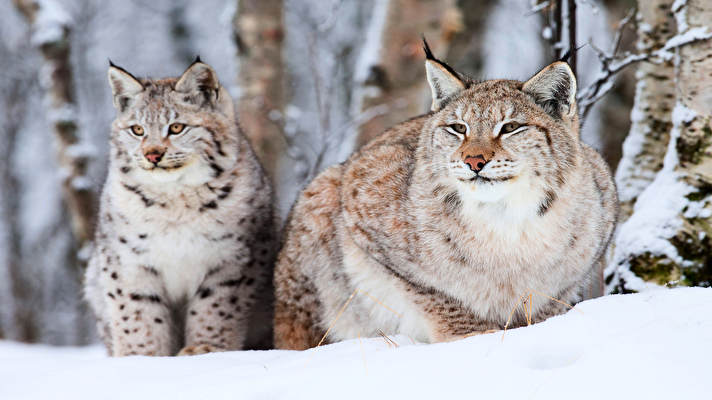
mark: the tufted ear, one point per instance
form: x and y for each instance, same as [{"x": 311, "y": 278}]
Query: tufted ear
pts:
[
  {"x": 200, "y": 82},
  {"x": 124, "y": 86},
  {"x": 554, "y": 89},
  {"x": 444, "y": 81}
]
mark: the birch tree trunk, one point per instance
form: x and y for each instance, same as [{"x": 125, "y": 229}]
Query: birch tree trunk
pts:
[
  {"x": 667, "y": 240},
  {"x": 18, "y": 319},
  {"x": 259, "y": 32},
  {"x": 651, "y": 118},
  {"x": 50, "y": 25},
  {"x": 396, "y": 78}
]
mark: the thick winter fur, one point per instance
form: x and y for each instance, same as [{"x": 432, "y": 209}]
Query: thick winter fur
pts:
[
  {"x": 407, "y": 221},
  {"x": 184, "y": 246}
]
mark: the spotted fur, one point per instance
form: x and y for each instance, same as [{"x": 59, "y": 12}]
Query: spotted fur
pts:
[
  {"x": 412, "y": 221},
  {"x": 184, "y": 247}
]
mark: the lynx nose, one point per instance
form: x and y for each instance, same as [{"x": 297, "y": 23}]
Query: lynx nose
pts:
[
  {"x": 476, "y": 163},
  {"x": 154, "y": 155}
]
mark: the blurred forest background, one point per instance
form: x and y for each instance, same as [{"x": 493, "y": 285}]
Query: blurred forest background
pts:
[{"x": 313, "y": 80}]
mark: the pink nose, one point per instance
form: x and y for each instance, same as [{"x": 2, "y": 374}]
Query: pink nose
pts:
[
  {"x": 476, "y": 163},
  {"x": 154, "y": 156}
]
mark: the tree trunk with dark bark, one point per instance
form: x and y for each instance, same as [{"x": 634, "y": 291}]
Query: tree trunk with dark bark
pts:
[
  {"x": 397, "y": 79},
  {"x": 259, "y": 33}
]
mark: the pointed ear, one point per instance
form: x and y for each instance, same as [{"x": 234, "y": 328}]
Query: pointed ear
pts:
[
  {"x": 200, "y": 82},
  {"x": 554, "y": 89},
  {"x": 124, "y": 86},
  {"x": 444, "y": 81}
]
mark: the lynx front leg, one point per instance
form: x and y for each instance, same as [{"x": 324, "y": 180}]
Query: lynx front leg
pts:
[
  {"x": 218, "y": 312},
  {"x": 140, "y": 322}
]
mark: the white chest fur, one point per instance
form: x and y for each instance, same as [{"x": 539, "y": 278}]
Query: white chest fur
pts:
[
  {"x": 177, "y": 240},
  {"x": 513, "y": 251}
]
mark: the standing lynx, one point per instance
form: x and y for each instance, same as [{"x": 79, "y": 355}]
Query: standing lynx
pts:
[
  {"x": 449, "y": 218},
  {"x": 185, "y": 242}
]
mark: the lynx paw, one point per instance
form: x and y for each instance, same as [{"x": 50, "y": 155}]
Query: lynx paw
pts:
[{"x": 199, "y": 349}]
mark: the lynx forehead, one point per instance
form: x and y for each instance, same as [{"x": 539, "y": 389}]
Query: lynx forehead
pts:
[
  {"x": 186, "y": 235},
  {"x": 450, "y": 217}
]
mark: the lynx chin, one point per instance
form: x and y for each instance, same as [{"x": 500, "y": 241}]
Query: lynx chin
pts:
[
  {"x": 186, "y": 236},
  {"x": 451, "y": 217}
]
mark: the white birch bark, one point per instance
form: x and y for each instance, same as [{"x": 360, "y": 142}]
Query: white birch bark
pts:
[
  {"x": 667, "y": 241},
  {"x": 651, "y": 117},
  {"x": 51, "y": 28}
]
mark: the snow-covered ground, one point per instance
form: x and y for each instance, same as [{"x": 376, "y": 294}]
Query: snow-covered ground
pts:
[{"x": 652, "y": 345}]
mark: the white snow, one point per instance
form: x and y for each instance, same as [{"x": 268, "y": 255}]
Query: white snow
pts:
[
  {"x": 51, "y": 22},
  {"x": 656, "y": 213},
  {"x": 652, "y": 345},
  {"x": 679, "y": 8}
]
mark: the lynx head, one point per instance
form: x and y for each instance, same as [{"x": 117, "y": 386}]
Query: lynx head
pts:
[
  {"x": 501, "y": 139},
  {"x": 172, "y": 130}
]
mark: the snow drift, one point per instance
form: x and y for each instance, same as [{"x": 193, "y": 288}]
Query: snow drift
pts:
[{"x": 651, "y": 345}]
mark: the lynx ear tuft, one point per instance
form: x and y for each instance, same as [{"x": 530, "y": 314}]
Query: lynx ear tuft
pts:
[
  {"x": 554, "y": 90},
  {"x": 200, "y": 82},
  {"x": 444, "y": 81},
  {"x": 124, "y": 86}
]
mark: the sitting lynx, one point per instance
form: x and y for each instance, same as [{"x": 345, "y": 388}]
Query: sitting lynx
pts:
[
  {"x": 186, "y": 240},
  {"x": 449, "y": 218}
]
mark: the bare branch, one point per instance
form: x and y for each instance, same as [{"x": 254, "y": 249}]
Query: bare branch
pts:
[{"x": 613, "y": 63}]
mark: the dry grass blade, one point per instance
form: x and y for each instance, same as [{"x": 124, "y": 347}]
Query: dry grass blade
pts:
[
  {"x": 390, "y": 342},
  {"x": 526, "y": 301},
  {"x": 341, "y": 311},
  {"x": 556, "y": 300},
  {"x": 379, "y": 302},
  {"x": 529, "y": 310},
  {"x": 509, "y": 320}
]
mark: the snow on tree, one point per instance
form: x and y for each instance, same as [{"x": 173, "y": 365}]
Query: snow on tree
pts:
[{"x": 666, "y": 241}]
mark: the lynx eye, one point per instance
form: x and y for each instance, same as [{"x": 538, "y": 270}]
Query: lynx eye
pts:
[
  {"x": 510, "y": 127},
  {"x": 459, "y": 128},
  {"x": 137, "y": 130},
  {"x": 176, "y": 128}
]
